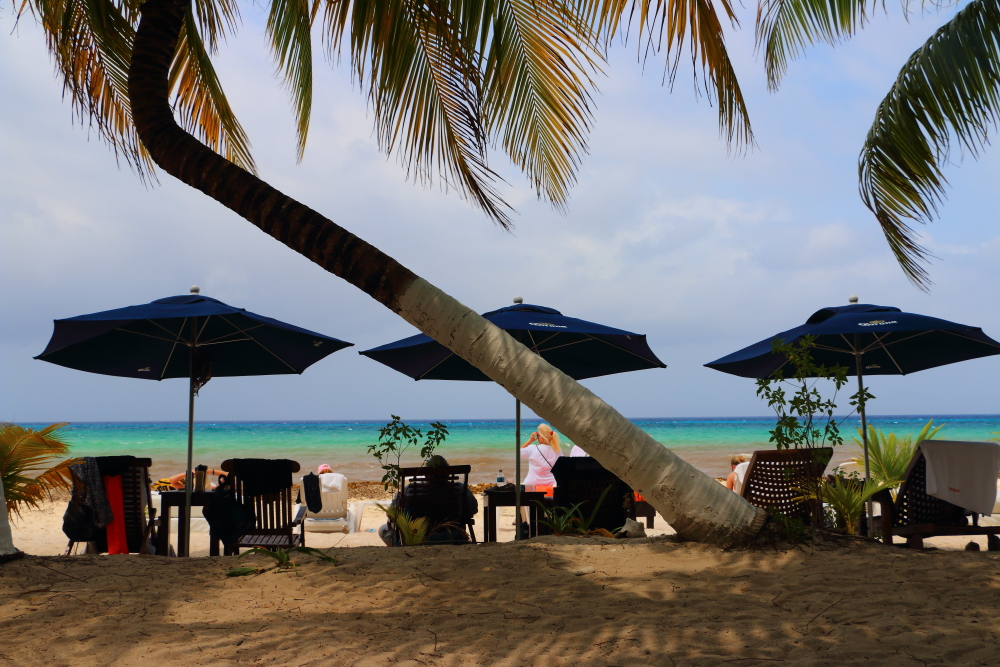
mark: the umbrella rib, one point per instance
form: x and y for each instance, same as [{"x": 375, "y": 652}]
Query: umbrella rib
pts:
[
  {"x": 264, "y": 347},
  {"x": 175, "y": 339},
  {"x": 879, "y": 341},
  {"x": 955, "y": 333},
  {"x": 444, "y": 359},
  {"x": 220, "y": 339},
  {"x": 172, "y": 347},
  {"x": 619, "y": 347}
]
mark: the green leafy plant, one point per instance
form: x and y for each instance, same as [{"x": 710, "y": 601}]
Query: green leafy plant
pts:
[
  {"x": 283, "y": 560},
  {"x": 889, "y": 455},
  {"x": 412, "y": 531},
  {"x": 570, "y": 520},
  {"x": 395, "y": 438},
  {"x": 27, "y": 468},
  {"x": 847, "y": 495},
  {"x": 805, "y": 418}
]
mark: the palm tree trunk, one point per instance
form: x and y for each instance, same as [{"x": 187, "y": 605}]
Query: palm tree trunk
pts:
[
  {"x": 7, "y": 549},
  {"x": 695, "y": 505}
]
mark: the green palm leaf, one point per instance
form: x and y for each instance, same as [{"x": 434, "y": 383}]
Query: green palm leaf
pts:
[
  {"x": 536, "y": 90},
  {"x": 26, "y": 469},
  {"x": 201, "y": 104},
  {"x": 786, "y": 27},
  {"x": 91, "y": 43},
  {"x": 672, "y": 25},
  {"x": 289, "y": 26},
  {"x": 425, "y": 90},
  {"x": 949, "y": 88}
]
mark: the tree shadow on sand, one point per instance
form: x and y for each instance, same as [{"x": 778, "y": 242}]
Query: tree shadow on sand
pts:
[{"x": 548, "y": 601}]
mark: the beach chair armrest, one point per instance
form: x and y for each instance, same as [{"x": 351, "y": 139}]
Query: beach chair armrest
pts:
[{"x": 299, "y": 515}]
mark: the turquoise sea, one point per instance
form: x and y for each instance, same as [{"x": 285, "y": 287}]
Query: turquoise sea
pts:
[{"x": 488, "y": 445}]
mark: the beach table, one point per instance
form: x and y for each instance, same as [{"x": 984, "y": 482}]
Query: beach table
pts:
[
  {"x": 492, "y": 499},
  {"x": 171, "y": 499}
]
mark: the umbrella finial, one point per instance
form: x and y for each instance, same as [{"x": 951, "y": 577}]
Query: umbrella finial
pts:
[
  {"x": 195, "y": 289},
  {"x": 518, "y": 299},
  {"x": 853, "y": 298}
]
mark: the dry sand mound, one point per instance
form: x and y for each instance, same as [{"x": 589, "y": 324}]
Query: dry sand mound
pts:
[{"x": 548, "y": 601}]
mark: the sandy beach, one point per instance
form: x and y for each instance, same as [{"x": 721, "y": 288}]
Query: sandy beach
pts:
[{"x": 546, "y": 601}]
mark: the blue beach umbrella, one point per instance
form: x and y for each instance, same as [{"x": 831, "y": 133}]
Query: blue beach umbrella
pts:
[
  {"x": 868, "y": 340},
  {"x": 189, "y": 336},
  {"x": 578, "y": 348}
]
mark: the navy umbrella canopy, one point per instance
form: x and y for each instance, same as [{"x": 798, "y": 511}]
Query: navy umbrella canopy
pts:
[
  {"x": 154, "y": 341},
  {"x": 578, "y": 348},
  {"x": 869, "y": 340},
  {"x": 190, "y": 336}
]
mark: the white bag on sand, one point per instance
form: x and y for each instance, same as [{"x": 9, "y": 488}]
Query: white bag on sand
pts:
[{"x": 632, "y": 528}]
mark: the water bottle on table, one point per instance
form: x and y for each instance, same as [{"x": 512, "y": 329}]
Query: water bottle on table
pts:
[{"x": 500, "y": 479}]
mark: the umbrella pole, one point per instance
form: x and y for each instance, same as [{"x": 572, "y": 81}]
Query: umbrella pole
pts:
[
  {"x": 864, "y": 431},
  {"x": 185, "y": 523},
  {"x": 517, "y": 469}
]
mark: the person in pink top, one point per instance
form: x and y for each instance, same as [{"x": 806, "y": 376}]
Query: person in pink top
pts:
[{"x": 541, "y": 451}]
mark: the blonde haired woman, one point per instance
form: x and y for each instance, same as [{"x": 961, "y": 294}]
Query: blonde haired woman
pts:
[{"x": 541, "y": 450}]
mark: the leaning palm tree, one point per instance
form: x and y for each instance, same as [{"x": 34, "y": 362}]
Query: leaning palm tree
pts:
[
  {"x": 446, "y": 80},
  {"x": 946, "y": 95}
]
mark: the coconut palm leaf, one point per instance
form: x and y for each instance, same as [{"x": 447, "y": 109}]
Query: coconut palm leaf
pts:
[
  {"x": 672, "y": 25},
  {"x": 786, "y": 27},
  {"x": 537, "y": 57},
  {"x": 26, "y": 469},
  {"x": 948, "y": 89},
  {"x": 425, "y": 88},
  {"x": 201, "y": 104},
  {"x": 91, "y": 43},
  {"x": 289, "y": 27}
]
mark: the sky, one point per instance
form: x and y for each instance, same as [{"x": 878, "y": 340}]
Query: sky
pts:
[{"x": 666, "y": 234}]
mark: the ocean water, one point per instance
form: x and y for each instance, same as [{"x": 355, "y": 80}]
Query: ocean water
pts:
[{"x": 487, "y": 445}]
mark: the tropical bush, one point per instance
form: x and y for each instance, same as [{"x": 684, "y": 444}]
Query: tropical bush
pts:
[
  {"x": 846, "y": 496},
  {"x": 805, "y": 417},
  {"x": 889, "y": 455},
  {"x": 395, "y": 438},
  {"x": 27, "y": 468}
]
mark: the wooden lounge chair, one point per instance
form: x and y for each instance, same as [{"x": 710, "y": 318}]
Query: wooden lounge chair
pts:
[
  {"x": 274, "y": 523},
  {"x": 440, "y": 495},
  {"x": 916, "y": 515},
  {"x": 774, "y": 480},
  {"x": 584, "y": 479},
  {"x": 139, "y": 513}
]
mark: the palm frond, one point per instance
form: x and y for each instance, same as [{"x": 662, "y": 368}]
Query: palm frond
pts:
[
  {"x": 26, "y": 469},
  {"x": 786, "y": 27},
  {"x": 200, "y": 103},
  {"x": 289, "y": 27},
  {"x": 948, "y": 89},
  {"x": 672, "y": 25},
  {"x": 91, "y": 44},
  {"x": 536, "y": 86},
  {"x": 425, "y": 90}
]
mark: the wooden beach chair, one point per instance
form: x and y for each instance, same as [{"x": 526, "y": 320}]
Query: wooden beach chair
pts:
[
  {"x": 138, "y": 510},
  {"x": 775, "y": 478},
  {"x": 440, "y": 495},
  {"x": 916, "y": 515},
  {"x": 275, "y": 517}
]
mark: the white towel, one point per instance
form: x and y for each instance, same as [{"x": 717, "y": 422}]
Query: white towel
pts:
[
  {"x": 963, "y": 473},
  {"x": 331, "y": 482}
]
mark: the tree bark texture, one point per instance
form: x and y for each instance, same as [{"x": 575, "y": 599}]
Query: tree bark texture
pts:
[
  {"x": 693, "y": 504},
  {"x": 7, "y": 549}
]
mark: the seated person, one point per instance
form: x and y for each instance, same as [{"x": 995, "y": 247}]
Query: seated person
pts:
[
  {"x": 417, "y": 489},
  {"x": 735, "y": 480},
  {"x": 176, "y": 482}
]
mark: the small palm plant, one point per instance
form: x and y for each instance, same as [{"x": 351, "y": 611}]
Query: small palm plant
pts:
[
  {"x": 26, "y": 465},
  {"x": 412, "y": 531},
  {"x": 889, "y": 455},
  {"x": 283, "y": 560},
  {"x": 846, "y": 495}
]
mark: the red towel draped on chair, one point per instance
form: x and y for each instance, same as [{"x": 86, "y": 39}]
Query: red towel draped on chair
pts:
[{"x": 117, "y": 543}]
